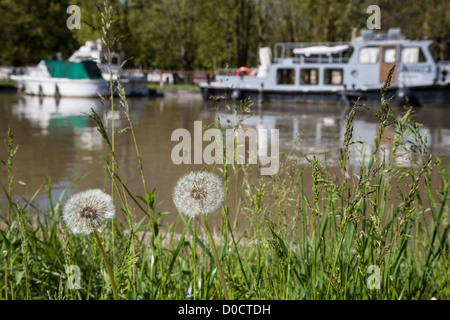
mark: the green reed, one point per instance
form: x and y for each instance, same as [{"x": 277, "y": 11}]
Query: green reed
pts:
[
  {"x": 293, "y": 244},
  {"x": 284, "y": 242}
]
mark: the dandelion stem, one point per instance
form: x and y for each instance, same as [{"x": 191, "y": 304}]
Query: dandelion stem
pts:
[
  {"x": 105, "y": 259},
  {"x": 194, "y": 258},
  {"x": 5, "y": 259},
  {"x": 216, "y": 255}
]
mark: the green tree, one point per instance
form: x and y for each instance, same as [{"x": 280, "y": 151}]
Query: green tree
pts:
[
  {"x": 32, "y": 30},
  {"x": 205, "y": 34}
]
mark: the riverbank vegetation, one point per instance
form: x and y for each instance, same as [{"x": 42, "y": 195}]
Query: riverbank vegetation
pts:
[
  {"x": 204, "y": 34},
  {"x": 355, "y": 237},
  {"x": 153, "y": 86}
]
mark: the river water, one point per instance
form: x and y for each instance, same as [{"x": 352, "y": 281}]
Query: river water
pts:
[{"x": 57, "y": 139}]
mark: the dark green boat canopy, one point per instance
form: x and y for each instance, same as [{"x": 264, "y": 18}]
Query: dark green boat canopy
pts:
[{"x": 73, "y": 70}]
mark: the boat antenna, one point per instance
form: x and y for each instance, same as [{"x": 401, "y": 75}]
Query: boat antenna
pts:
[
  {"x": 99, "y": 45},
  {"x": 354, "y": 34}
]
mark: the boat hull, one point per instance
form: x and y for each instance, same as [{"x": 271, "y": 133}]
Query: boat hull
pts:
[
  {"x": 75, "y": 87},
  {"x": 60, "y": 86},
  {"x": 417, "y": 96},
  {"x": 433, "y": 95},
  {"x": 135, "y": 87}
]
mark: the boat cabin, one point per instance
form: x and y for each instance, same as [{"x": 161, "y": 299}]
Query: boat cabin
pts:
[
  {"x": 93, "y": 51},
  {"x": 361, "y": 64}
]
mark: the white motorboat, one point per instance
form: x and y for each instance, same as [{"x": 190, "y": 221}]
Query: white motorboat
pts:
[{"x": 85, "y": 74}]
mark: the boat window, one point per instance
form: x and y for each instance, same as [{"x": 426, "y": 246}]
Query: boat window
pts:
[
  {"x": 369, "y": 55},
  {"x": 435, "y": 51},
  {"x": 286, "y": 76},
  {"x": 80, "y": 58},
  {"x": 347, "y": 53},
  {"x": 115, "y": 60},
  {"x": 309, "y": 76},
  {"x": 390, "y": 55},
  {"x": 333, "y": 76},
  {"x": 412, "y": 55}
]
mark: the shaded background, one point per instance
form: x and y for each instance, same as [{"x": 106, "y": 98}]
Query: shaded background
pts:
[{"x": 206, "y": 34}]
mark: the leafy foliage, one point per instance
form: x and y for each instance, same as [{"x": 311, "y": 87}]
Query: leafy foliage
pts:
[{"x": 204, "y": 34}]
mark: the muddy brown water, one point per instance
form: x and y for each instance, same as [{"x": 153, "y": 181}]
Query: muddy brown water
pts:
[{"x": 56, "y": 138}]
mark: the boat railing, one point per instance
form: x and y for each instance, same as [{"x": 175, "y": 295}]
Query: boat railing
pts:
[
  {"x": 321, "y": 59},
  {"x": 231, "y": 71},
  {"x": 132, "y": 72},
  {"x": 285, "y": 50}
]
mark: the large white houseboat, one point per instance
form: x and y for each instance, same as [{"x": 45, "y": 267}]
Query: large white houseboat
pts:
[
  {"x": 333, "y": 72},
  {"x": 85, "y": 74}
]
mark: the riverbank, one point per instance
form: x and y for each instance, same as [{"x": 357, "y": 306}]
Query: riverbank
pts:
[
  {"x": 321, "y": 228},
  {"x": 8, "y": 86},
  {"x": 174, "y": 91},
  {"x": 155, "y": 91},
  {"x": 178, "y": 93}
]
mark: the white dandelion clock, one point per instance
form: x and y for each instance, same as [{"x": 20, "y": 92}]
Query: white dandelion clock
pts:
[
  {"x": 198, "y": 193},
  {"x": 87, "y": 211}
]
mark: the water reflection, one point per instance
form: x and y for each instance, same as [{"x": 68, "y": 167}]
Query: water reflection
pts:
[
  {"x": 319, "y": 130},
  {"x": 56, "y": 116},
  {"x": 315, "y": 132},
  {"x": 57, "y": 137}
]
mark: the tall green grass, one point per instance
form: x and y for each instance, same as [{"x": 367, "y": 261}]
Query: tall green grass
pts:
[{"x": 284, "y": 242}]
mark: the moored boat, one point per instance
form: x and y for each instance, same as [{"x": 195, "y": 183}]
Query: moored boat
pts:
[
  {"x": 345, "y": 71},
  {"x": 62, "y": 78},
  {"x": 85, "y": 74}
]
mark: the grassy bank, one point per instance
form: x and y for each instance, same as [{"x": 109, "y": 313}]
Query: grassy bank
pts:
[
  {"x": 152, "y": 86},
  {"x": 7, "y": 83},
  {"x": 355, "y": 238}
]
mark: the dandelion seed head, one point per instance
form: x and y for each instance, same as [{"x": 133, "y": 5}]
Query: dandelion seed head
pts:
[
  {"x": 198, "y": 193},
  {"x": 87, "y": 211}
]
